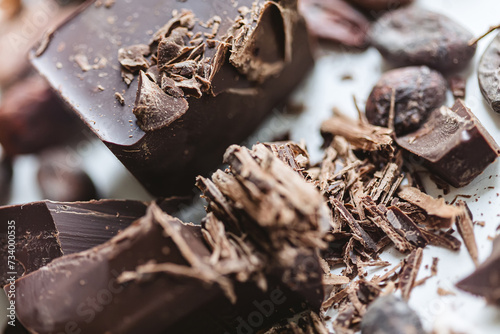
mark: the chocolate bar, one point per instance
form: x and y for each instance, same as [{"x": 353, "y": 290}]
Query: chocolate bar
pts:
[
  {"x": 47, "y": 230},
  {"x": 221, "y": 68},
  {"x": 453, "y": 144},
  {"x": 243, "y": 270},
  {"x": 152, "y": 266},
  {"x": 485, "y": 281}
]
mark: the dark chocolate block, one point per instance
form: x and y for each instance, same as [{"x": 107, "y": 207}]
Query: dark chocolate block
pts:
[
  {"x": 453, "y": 144},
  {"x": 155, "y": 277},
  {"x": 252, "y": 66},
  {"x": 485, "y": 281},
  {"x": 47, "y": 230}
]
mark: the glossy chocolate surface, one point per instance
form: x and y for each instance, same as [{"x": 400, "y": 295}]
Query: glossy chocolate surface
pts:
[
  {"x": 167, "y": 160},
  {"x": 47, "y": 230},
  {"x": 453, "y": 144}
]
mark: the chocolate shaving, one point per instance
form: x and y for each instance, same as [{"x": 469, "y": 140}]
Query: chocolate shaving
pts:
[
  {"x": 362, "y": 136},
  {"x": 409, "y": 273},
  {"x": 406, "y": 227},
  {"x": 465, "y": 228},
  {"x": 363, "y": 237},
  {"x": 442, "y": 239},
  {"x": 82, "y": 61},
  {"x": 119, "y": 97},
  {"x": 445, "y": 214}
]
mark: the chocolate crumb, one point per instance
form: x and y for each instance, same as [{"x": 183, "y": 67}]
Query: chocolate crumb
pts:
[
  {"x": 119, "y": 97},
  {"x": 443, "y": 292}
]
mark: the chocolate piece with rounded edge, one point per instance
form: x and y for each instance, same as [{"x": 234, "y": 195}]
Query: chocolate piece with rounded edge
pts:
[
  {"x": 453, "y": 144},
  {"x": 415, "y": 36},
  {"x": 166, "y": 160},
  {"x": 417, "y": 92}
]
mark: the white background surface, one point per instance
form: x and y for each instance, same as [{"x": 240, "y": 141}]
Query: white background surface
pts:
[{"x": 322, "y": 91}]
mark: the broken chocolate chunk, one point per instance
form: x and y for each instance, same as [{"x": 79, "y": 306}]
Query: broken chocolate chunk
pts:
[
  {"x": 391, "y": 315},
  {"x": 485, "y": 281},
  {"x": 154, "y": 108},
  {"x": 487, "y": 72},
  {"x": 412, "y": 92},
  {"x": 47, "y": 230},
  {"x": 453, "y": 144},
  {"x": 415, "y": 36},
  {"x": 133, "y": 57}
]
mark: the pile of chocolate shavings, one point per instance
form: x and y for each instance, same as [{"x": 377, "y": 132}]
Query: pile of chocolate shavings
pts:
[
  {"x": 270, "y": 214},
  {"x": 361, "y": 178},
  {"x": 265, "y": 224},
  {"x": 183, "y": 57}
]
